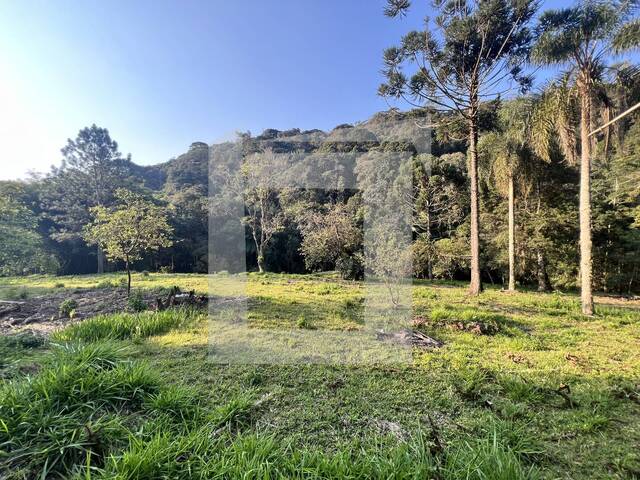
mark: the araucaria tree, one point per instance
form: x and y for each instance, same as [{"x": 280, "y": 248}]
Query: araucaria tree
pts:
[
  {"x": 126, "y": 232},
  {"x": 473, "y": 52},
  {"x": 582, "y": 38}
]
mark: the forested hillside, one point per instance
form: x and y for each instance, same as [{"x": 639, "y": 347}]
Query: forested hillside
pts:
[{"x": 546, "y": 194}]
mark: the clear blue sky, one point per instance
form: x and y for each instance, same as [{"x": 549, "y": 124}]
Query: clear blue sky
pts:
[{"x": 162, "y": 74}]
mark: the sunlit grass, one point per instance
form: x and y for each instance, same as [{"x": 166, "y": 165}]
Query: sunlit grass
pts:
[{"x": 493, "y": 399}]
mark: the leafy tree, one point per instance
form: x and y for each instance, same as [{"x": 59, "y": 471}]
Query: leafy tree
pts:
[
  {"x": 91, "y": 170},
  {"x": 583, "y": 37},
  {"x": 254, "y": 185},
  {"x": 331, "y": 234},
  {"x": 126, "y": 232},
  {"x": 22, "y": 248},
  {"x": 189, "y": 219},
  {"x": 616, "y": 201},
  {"x": 482, "y": 45}
]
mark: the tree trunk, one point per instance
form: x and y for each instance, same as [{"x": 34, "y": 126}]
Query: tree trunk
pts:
[
  {"x": 585, "y": 205},
  {"x": 512, "y": 237},
  {"x": 428, "y": 233},
  {"x": 100, "y": 258},
  {"x": 126, "y": 264},
  {"x": 475, "y": 286},
  {"x": 544, "y": 284},
  {"x": 260, "y": 261}
]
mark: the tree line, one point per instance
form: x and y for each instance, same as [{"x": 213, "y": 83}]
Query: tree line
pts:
[{"x": 512, "y": 191}]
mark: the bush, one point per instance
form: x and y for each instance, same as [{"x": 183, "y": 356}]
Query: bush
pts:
[
  {"x": 58, "y": 285},
  {"x": 136, "y": 302},
  {"x": 67, "y": 308}
]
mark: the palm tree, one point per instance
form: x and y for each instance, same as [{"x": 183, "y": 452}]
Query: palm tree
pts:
[
  {"x": 508, "y": 160},
  {"x": 582, "y": 37}
]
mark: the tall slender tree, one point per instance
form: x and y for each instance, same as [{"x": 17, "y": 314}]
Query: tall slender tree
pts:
[
  {"x": 510, "y": 163},
  {"x": 583, "y": 37},
  {"x": 472, "y": 52}
]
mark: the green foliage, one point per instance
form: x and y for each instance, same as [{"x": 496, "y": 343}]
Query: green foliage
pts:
[
  {"x": 480, "y": 407},
  {"x": 136, "y": 302},
  {"x": 129, "y": 230},
  {"x": 23, "y": 250},
  {"x": 125, "y": 326},
  {"x": 50, "y": 422},
  {"x": 67, "y": 307},
  {"x": 350, "y": 267},
  {"x": 304, "y": 323},
  {"x": 331, "y": 236}
]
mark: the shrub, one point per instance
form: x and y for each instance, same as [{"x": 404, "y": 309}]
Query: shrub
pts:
[
  {"x": 136, "y": 302},
  {"x": 67, "y": 307},
  {"x": 58, "y": 285},
  {"x": 106, "y": 284}
]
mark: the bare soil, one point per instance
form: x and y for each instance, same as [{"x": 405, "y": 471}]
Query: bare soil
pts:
[{"x": 40, "y": 314}]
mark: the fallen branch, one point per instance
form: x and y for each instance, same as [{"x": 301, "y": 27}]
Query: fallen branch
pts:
[{"x": 411, "y": 338}]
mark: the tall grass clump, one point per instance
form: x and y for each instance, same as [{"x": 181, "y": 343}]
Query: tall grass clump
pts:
[
  {"x": 206, "y": 453},
  {"x": 122, "y": 326},
  {"x": 486, "y": 459},
  {"x": 202, "y": 453},
  {"x": 69, "y": 410}
]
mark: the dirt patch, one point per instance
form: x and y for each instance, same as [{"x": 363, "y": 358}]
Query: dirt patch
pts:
[{"x": 40, "y": 314}]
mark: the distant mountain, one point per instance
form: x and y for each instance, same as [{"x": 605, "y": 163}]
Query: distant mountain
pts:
[{"x": 191, "y": 168}]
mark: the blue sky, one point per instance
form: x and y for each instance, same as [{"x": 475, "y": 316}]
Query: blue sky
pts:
[{"x": 162, "y": 74}]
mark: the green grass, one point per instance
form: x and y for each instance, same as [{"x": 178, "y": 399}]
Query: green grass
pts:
[
  {"x": 481, "y": 407},
  {"x": 126, "y": 326}
]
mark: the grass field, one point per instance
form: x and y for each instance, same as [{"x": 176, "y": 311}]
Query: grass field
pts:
[{"x": 542, "y": 393}]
